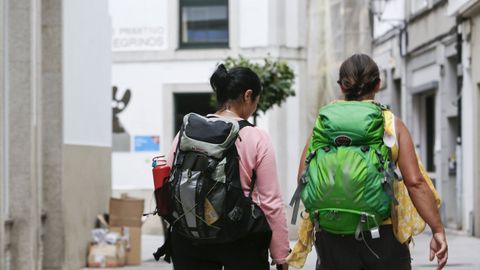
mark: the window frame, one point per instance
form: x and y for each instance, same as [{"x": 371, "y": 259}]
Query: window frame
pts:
[{"x": 201, "y": 45}]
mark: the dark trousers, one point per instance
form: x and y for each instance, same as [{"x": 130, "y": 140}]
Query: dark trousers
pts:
[
  {"x": 249, "y": 253},
  {"x": 341, "y": 252}
]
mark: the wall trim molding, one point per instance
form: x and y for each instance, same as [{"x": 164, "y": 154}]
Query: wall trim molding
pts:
[{"x": 256, "y": 53}]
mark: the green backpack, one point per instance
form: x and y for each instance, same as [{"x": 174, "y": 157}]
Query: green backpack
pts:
[{"x": 347, "y": 183}]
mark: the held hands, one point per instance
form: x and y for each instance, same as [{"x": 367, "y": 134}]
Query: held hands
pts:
[{"x": 439, "y": 249}]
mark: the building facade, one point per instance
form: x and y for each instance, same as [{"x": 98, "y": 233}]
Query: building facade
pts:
[
  {"x": 55, "y": 133},
  {"x": 162, "y": 62},
  {"x": 468, "y": 19},
  {"x": 421, "y": 54}
]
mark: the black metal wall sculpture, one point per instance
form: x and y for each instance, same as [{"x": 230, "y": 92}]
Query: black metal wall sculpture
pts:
[
  {"x": 118, "y": 106},
  {"x": 120, "y": 137}
]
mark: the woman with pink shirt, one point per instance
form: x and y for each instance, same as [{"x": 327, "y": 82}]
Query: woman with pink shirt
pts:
[{"x": 238, "y": 92}]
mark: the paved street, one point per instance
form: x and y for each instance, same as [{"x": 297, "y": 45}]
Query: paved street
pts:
[
  {"x": 150, "y": 244},
  {"x": 464, "y": 253}
]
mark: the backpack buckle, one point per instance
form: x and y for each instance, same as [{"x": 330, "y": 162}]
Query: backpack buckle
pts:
[
  {"x": 236, "y": 214},
  {"x": 365, "y": 148},
  {"x": 212, "y": 164},
  {"x": 254, "y": 215},
  {"x": 311, "y": 155}
]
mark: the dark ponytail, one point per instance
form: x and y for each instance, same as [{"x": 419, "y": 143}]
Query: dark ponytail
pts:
[
  {"x": 358, "y": 76},
  {"x": 232, "y": 84}
]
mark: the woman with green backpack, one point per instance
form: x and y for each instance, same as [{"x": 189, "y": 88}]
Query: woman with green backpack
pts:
[{"x": 347, "y": 174}]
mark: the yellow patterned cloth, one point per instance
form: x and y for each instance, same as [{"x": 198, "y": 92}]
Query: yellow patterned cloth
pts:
[
  {"x": 304, "y": 244},
  {"x": 405, "y": 219}
]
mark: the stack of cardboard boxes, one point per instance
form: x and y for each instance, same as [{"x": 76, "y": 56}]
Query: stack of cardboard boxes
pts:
[{"x": 125, "y": 219}]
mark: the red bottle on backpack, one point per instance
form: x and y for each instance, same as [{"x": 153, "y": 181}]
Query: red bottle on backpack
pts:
[{"x": 161, "y": 174}]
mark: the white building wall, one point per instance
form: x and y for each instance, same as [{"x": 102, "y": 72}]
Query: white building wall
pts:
[
  {"x": 87, "y": 75},
  {"x": 253, "y": 31},
  {"x": 257, "y": 28},
  {"x": 469, "y": 10},
  {"x": 82, "y": 168},
  {"x": 476, "y": 125},
  {"x": 428, "y": 28},
  {"x": 296, "y": 27},
  {"x": 4, "y": 201},
  {"x": 146, "y": 113},
  {"x": 468, "y": 141},
  {"x": 470, "y": 125}
]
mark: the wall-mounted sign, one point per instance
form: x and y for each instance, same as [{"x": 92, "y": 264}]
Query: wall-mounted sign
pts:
[
  {"x": 144, "y": 38},
  {"x": 147, "y": 143},
  {"x": 139, "y": 25}
]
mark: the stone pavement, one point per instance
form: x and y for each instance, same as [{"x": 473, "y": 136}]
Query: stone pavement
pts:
[{"x": 464, "y": 253}]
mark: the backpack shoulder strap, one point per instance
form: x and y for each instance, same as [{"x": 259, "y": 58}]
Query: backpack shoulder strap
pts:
[
  {"x": 245, "y": 123},
  {"x": 390, "y": 135},
  {"x": 241, "y": 123},
  {"x": 252, "y": 183},
  {"x": 253, "y": 178},
  {"x": 383, "y": 107}
]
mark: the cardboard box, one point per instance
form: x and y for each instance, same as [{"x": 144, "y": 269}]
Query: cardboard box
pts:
[
  {"x": 103, "y": 255},
  {"x": 125, "y": 217},
  {"x": 134, "y": 244},
  {"x": 125, "y": 211}
]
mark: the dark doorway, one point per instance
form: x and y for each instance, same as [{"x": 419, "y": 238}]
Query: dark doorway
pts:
[
  {"x": 397, "y": 102},
  {"x": 430, "y": 131},
  {"x": 191, "y": 102}
]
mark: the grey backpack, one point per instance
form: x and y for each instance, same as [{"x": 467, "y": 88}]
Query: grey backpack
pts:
[{"x": 207, "y": 200}]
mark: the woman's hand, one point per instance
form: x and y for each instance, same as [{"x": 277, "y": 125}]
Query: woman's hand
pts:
[{"x": 439, "y": 249}]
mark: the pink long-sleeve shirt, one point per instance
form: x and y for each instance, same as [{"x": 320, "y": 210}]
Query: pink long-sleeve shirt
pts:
[{"x": 256, "y": 153}]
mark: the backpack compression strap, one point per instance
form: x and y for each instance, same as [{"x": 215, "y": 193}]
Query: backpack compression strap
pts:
[
  {"x": 295, "y": 201},
  {"x": 389, "y": 176}
]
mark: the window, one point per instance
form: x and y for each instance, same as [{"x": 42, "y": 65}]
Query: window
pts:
[
  {"x": 203, "y": 23},
  {"x": 418, "y": 5}
]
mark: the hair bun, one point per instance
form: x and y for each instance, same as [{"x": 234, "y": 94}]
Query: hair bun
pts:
[
  {"x": 358, "y": 76},
  {"x": 219, "y": 82}
]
